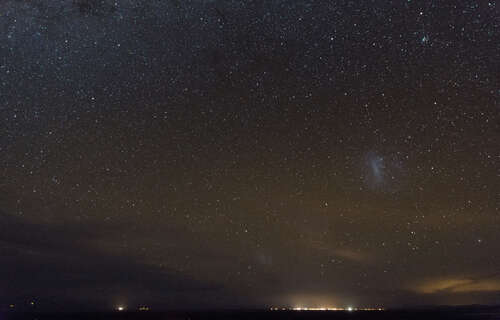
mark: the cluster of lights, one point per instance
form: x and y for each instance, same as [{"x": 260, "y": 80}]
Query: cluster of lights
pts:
[
  {"x": 317, "y": 309},
  {"x": 140, "y": 308},
  {"x": 326, "y": 309}
]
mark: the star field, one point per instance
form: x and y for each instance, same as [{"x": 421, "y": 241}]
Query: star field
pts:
[{"x": 248, "y": 154}]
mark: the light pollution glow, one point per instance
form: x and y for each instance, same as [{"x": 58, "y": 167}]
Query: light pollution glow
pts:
[{"x": 324, "y": 309}]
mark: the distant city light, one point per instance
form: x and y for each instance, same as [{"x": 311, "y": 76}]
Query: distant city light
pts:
[
  {"x": 143, "y": 308},
  {"x": 120, "y": 308},
  {"x": 325, "y": 309}
]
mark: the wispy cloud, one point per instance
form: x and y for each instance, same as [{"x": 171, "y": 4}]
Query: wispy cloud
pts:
[
  {"x": 347, "y": 253},
  {"x": 458, "y": 285},
  {"x": 352, "y": 255}
]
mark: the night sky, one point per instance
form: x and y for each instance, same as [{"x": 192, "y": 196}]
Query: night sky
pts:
[{"x": 208, "y": 154}]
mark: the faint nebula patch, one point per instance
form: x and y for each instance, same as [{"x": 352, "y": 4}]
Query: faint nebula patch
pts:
[
  {"x": 382, "y": 173},
  {"x": 377, "y": 167}
]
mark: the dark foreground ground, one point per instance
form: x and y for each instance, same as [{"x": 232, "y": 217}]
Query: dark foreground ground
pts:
[{"x": 444, "y": 313}]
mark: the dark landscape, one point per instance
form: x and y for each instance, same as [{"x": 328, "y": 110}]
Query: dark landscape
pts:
[{"x": 444, "y": 312}]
